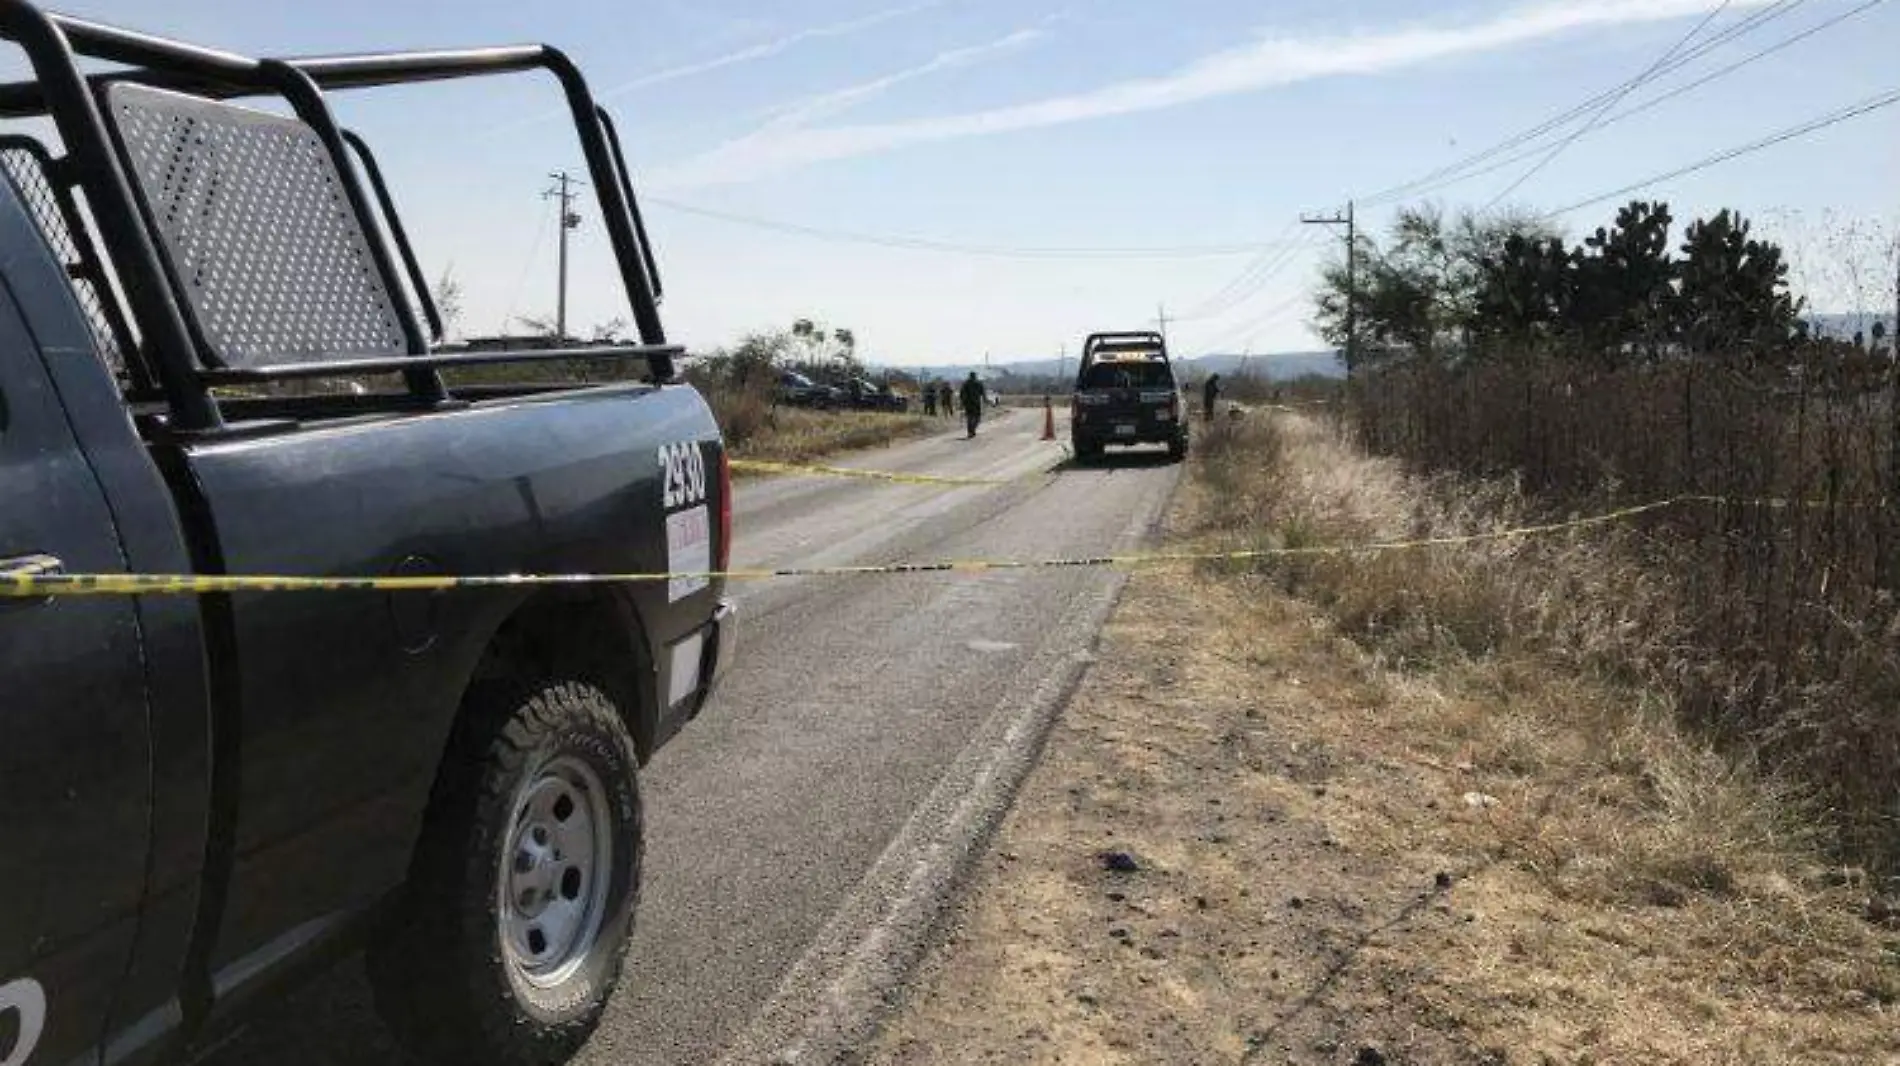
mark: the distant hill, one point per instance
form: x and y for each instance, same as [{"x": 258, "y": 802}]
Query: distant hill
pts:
[
  {"x": 1280, "y": 366},
  {"x": 1843, "y": 325}
]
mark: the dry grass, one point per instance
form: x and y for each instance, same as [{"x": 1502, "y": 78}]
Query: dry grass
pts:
[
  {"x": 1527, "y": 667},
  {"x": 755, "y": 428},
  {"x": 1283, "y": 482},
  {"x": 1487, "y": 614},
  {"x": 1420, "y": 803},
  {"x": 1785, "y": 637}
]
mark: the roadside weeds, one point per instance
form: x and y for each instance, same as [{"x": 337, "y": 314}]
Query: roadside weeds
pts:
[
  {"x": 756, "y": 428},
  {"x": 1405, "y": 809}
]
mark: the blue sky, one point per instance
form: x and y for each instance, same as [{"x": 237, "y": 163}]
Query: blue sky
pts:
[{"x": 1202, "y": 126}]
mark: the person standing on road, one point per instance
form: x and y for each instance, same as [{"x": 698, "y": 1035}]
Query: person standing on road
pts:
[
  {"x": 972, "y": 402},
  {"x": 946, "y": 399},
  {"x": 1209, "y": 393},
  {"x": 930, "y": 398}
]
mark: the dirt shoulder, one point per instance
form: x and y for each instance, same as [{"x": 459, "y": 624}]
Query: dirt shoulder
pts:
[{"x": 1254, "y": 838}]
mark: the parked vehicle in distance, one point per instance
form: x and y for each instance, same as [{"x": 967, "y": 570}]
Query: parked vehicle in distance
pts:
[
  {"x": 209, "y": 796},
  {"x": 867, "y": 395},
  {"x": 1126, "y": 393},
  {"x": 797, "y": 390}
]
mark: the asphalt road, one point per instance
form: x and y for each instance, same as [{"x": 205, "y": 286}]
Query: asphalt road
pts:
[{"x": 850, "y": 697}]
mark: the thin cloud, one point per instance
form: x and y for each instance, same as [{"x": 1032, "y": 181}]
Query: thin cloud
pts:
[
  {"x": 768, "y": 49},
  {"x": 801, "y": 113},
  {"x": 1268, "y": 62},
  {"x": 748, "y": 54}
]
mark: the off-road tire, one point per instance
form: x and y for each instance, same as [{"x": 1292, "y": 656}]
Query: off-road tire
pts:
[
  {"x": 1177, "y": 449},
  {"x": 443, "y": 981}
]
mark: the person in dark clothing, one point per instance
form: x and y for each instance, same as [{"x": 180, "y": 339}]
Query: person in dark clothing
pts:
[
  {"x": 972, "y": 402},
  {"x": 946, "y": 399},
  {"x": 930, "y": 398},
  {"x": 1209, "y": 393}
]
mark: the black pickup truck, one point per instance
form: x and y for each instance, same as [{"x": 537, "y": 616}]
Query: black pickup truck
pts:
[
  {"x": 867, "y": 395},
  {"x": 207, "y": 797},
  {"x": 1126, "y": 393}
]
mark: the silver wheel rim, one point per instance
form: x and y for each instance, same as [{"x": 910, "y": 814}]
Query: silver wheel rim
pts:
[{"x": 555, "y": 872}]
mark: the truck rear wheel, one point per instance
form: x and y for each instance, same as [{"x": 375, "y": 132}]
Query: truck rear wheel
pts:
[{"x": 521, "y": 896}]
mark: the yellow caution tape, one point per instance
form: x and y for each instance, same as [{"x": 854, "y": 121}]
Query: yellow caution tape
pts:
[
  {"x": 760, "y": 466},
  {"x": 1779, "y": 504},
  {"x": 1293, "y": 406},
  {"x": 37, "y": 585}
]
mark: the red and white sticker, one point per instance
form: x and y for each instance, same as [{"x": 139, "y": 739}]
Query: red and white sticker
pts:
[{"x": 688, "y": 552}]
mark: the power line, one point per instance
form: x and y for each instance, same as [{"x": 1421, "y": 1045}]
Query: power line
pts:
[
  {"x": 1867, "y": 106},
  {"x": 1254, "y": 266},
  {"x": 1251, "y": 280},
  {"x": 1294, "y": 253},
  {"x": 1270, "y": 315},
  {"x": 1255, "y": 284},
  {"x": 1649, "y": 73},
  {"x": 1661, "y": 98},
  {"x": 1558, "y": 121},
  {"x": 924, "y": 244},
  {"x": 527, "y": 265},
  {"x": 1742, "y": 27}
]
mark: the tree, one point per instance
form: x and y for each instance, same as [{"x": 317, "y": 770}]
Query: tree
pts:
[
  {"x": 448, "y": 294},
  {"x": 757, "y": 357},
  {"x": 750, "y": 366},
  {"x": 826, "y": 353},
  {"x": 1419, "y": 293},
  {"x": 1445, "y": 256},
  {"x": 611, "y": 331},
  {"x": 1524, "y": 295},
  {"x": 1621, "y": 295},
  {"x": 537, "y": 325},
  {"x": 811, "y": 337},
  {"x": 1623, "y": 292},
  {"x": 1734, "y": 298}
]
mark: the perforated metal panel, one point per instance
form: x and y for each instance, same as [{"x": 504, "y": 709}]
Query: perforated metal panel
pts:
[
  {"x": 25, "y": 166},
  {"x": 253, "y": 215}
]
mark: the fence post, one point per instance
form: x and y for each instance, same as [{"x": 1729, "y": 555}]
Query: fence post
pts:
[
  {"x": 1689, "y": 472},
  {"x": 1888, "y": 577}
]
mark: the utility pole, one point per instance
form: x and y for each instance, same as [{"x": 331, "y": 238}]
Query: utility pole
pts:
[
  {"x": 570, "y": 219},
  {"x": 1062, "y": 366},
  {"x": 1352, "y": 277},
  {"x": 1161, "y": 321}
]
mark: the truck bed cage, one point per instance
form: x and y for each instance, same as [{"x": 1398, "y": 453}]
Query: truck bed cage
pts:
[{"x": 181, "y": 339}]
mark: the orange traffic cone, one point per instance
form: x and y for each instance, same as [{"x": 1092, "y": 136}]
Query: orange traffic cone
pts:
[{"x": 1048, "y": 419}]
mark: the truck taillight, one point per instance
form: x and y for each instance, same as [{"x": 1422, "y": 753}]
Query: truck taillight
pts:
[
  {"x": 1174, "y": 406},
  {"x": 722, "y": 560}
]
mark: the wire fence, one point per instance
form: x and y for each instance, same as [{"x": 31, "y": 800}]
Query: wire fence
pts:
[{"x": 1790, "y": 593}]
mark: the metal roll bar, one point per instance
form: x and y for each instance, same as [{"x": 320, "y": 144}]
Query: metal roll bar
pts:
[{"x": 54, "y": 44}]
